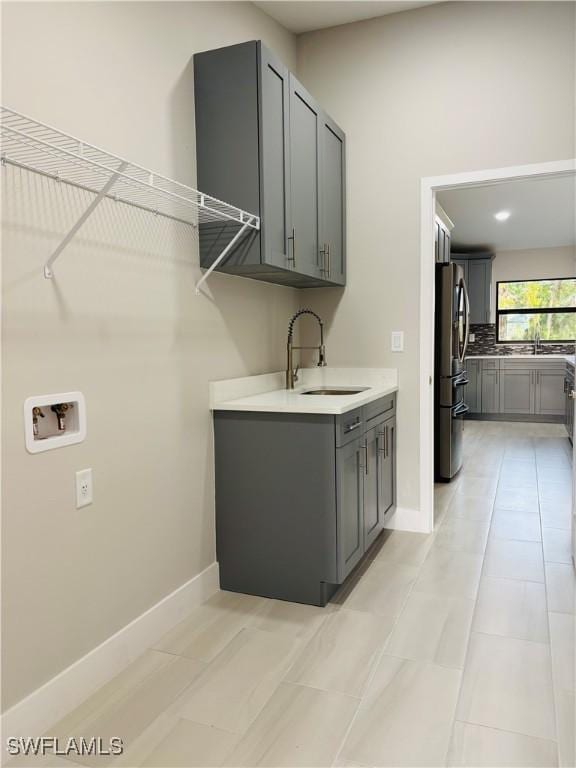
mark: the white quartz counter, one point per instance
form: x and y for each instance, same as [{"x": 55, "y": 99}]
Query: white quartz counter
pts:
[
  {"x": 267, "y": 393},
  {"x": 567, "y": 358}
]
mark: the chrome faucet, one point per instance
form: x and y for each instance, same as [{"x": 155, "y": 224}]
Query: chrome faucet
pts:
[
  {"x": 536, "y": 341},
  {"x": 291, "y": 372}
]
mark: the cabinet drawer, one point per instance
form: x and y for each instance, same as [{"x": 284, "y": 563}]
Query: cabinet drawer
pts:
[
  {"x": 490, "y": 365},
  {"x": 349, "y": 426},
  {"x": 535, "y": 364},
  {"x": 384, "y": 405}
]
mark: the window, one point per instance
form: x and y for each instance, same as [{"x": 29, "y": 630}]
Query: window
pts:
[{"x": 524, "y": 307}]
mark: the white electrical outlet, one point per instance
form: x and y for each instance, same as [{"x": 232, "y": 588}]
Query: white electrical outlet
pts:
[
  {"x": 83, "y": 488},
  {"x": 397, "y": 341}
]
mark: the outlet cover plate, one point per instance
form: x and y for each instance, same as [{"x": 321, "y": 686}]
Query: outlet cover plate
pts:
[{"x": 83, "y": 488}]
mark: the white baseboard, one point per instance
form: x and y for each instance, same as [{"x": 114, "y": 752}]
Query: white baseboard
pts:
[
  {"x": 405, "y": 519},
  {"x": 46, "y": 705}
]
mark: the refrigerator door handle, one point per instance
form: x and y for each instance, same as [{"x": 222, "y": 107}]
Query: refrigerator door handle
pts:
[
  {"x": 460, "y": 409},
  {"x": 467, "y": 332}
]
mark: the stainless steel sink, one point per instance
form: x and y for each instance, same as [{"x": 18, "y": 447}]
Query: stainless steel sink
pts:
[{"x": 335, "y": 391}]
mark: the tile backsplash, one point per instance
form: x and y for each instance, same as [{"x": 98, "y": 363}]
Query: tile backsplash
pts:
[{"x": 485, "y": 344}]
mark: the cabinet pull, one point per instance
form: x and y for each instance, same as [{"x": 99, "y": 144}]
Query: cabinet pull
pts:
[
  {"x": 366, "y": 465},
  {"x": 383, "y": 436},
  {"x": 386, "y": 446},
  {"x": 293, "y": 238},
  {"x": 353, "y": 426},
  {"x": 329, "y": 259},
  {"x": 323, "y": 253}
]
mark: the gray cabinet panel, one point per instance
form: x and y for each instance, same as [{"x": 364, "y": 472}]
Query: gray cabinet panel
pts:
[
  {"x": 550, "y": 392},
  {"x": 332, "y": 202},
  {"x": 304, "y": 178},
  {"x": 490, "y": 391},
  {"x": 479, "y": 279},
  {"x": 350, "y": 467},
  {"x": 274, "y": 117},
  {"x": 517, "y": 391},
  {"x": 387, "y": 468},
  {"x": 259, "y": 145},
  {"x": 372, "y": 504},
  {"x": 472, "y": 391}
]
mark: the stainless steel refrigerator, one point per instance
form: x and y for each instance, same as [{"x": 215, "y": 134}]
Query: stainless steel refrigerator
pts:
[{"x": 451, "y": 339}]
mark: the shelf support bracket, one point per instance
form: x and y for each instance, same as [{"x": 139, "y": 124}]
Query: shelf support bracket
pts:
[
  {"x": 48, "y": 273},
  {"x": 224, "y": 253}
]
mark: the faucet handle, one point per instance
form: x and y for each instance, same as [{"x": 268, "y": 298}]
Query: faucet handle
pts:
[{"x": 295, "y": 377}]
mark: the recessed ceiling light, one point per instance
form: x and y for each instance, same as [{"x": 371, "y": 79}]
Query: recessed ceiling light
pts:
[{"x": 502, "y": 215}]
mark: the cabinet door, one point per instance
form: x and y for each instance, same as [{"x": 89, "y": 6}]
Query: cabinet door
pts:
[
  {"x": 305, "y": 117},
  {"x": 372, "y": 512},
  {"x": 332, "y": 202},
  {"x": 387, "y": 468},
  {"x": 274, "y": 150},
  {"x": 464, "y": 264},
  {"x": 479, "y": 275},
  {"x": 517, "y": 389},
  {"x": 490, "y": 391},
  {"x": 349, "y": 506},
  {"x": 472, "y": 391},
  {"x": 550, "y": 392}
]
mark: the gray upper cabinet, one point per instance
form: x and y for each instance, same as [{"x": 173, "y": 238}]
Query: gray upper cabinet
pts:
[
  {"x": 333, "y": 202},
  {"x": 305, "y": 118},
  {"x": 479, "y": 281},
  {"x": 264, "y": 144},
  {"x": 274, "y": 114},
  {"x": 478, "y": 277}
]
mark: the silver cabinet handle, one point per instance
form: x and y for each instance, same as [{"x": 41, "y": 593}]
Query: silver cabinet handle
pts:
[
  {"x": 366, "y": 465},
  {"x": 329, "y": 260},
  {"x": 353, "y": 426},
  {"x": 383, "y": 436},
  {"x": 293, "y": 238},
  {"x": 324, "y": 254}
]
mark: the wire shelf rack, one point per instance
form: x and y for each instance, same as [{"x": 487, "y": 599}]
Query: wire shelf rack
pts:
[{"x": 36, "y": 147}]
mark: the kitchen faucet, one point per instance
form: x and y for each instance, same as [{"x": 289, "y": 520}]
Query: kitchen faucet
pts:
[
  {"x": 536, "y": 341},
  {"x": 291, "y": 372}
]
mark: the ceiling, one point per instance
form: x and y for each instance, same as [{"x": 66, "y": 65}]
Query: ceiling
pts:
[
  {"x": 307, "y": 15},
  {"x": 542, "y": 214}
]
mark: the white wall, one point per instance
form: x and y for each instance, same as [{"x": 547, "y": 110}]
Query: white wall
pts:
[
  {"x": 121, "y": 323},
  {"x": 442, "y": 89},
  {"x": 532, "y": 264}
]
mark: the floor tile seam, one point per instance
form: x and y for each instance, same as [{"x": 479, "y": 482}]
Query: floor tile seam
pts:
[
  {"x": 552, "y": 742},
  {"x": 377, "y": 661},
  {"x": 552, "y": 681}
]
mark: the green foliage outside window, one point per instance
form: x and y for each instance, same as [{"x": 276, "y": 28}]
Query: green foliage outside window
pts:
[{"x": 518, "y": 303}]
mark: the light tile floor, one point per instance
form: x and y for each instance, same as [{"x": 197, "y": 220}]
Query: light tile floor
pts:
[{"x": 454, "y": 648}]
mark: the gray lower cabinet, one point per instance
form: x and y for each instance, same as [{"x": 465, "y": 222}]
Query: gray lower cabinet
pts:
[
  {"x": 472, "y": 390},
  {"x": 568, "y": 401},
  {"x": 264, "y": 144},
  {"x": 490, "y": 391},
  {"x": 301, "y": 497},
  {"x": 522, "y": 388},
  {"x": 550, "y": 392},
  {"x": 517, "y": 391}
]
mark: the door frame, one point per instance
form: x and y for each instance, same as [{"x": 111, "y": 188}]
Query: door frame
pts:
[{"x": 429, "y": 186}]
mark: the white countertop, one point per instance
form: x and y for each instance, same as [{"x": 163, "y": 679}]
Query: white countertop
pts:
[
  {"x": 567, "y": 358},
  {"x": 267, "y": 393}
]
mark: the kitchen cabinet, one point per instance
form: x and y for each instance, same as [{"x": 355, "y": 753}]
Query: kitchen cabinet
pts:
[
  {"x": 568, "y": 401},
  {"x": 443, "y": 235},
  {"x": 549, "y": 392},
  {"x": 472, "y": 390},
  {"x": 301, "y": 497},
  {"x": 264, "y": 144},
  {"x": 516, "y": 387},
  {"x": 490, "y": 390},
  {"x": 478, "y": 277},
  {"x": 517, "y": 391}
]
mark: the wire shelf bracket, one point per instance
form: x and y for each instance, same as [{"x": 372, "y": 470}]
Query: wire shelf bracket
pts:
[{"x": 37, "y": 147}]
